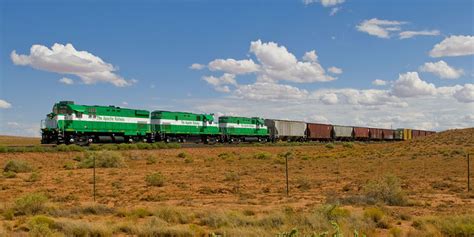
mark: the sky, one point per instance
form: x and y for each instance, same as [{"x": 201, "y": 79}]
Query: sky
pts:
[{"x": 382, "y": 63}]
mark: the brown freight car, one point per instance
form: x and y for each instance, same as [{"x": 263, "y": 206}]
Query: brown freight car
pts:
[
  {"x": 415, "y": 133},
  {"x": 361, "y": 133},
  {"x": 317, "y": 131},
  {"x": 388, "y": 134},
  {"x": 375, "y": 133}
]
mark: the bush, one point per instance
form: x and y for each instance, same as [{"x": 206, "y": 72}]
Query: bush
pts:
[
  {"x": 9, "y": 174},
  {"x": 231, "y": 176},
  {"x": 348, "y": 145},
  {"x": 387, "y": 190},
  {"x": 40, "y": 226},
  {"x": 182, "y": 155},
  {"x": 150, "y": 160},
  {"x": 29, "y": 204},
  {"x": 69, "y": 165},
  {"x": 103, "y": 159},
  {"x": 263, "y": 155},
  {"x": 3, "y": 149},
  {"x": 35, "y": 176},
  {"x": 374, "y": 214},
  {"x": 155, "y": 179},
  {"x": 17, "y": 166},
  {"x": 330, "y": 146}
]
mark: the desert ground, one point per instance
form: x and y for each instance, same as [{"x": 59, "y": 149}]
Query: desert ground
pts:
[{"x": 409, "y": 188}]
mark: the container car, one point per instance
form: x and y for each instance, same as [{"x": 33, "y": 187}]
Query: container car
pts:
[
  {"x": 319, "y": 132},
  {"x": 342, "y": 132},
  {"x": 183, "y": 126},
  {"x": 243, "y": 129},
  {"x": 286, "y": 130},
  {"x": 70, "y": 123}
]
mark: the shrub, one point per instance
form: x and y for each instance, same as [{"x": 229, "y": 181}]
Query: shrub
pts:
[
  {"x": 330, "y": 146},
  {"x": 155, "y": 179},
  {"x": 81, "y": 228},
  {"x": 348, "y": 145},
  {"x": 395, "y": 232},
  {"x": 3, "y": 149},
  {"x": 150, "y": 160},
  {"x": 262, "y": 155},
  {"x": 69, "y": 165},
  {"x": 35, "y": 176},
  {"x": 387, "y": 190},
  {"x": 9, "y": 174},
  {"x": 182, "y": 155},
  {"x": 140, "y": 213},
  {"x": 173, "y": 215},
  {"x": 224, "y": 155},
  {"x": 40, "y": 226},
  {"x": 188, "y": 160},
  {"x": 144, "y": 146},
  {"x": 17, "y": 166},
  {"x": 33, "y": 203},
  {"x": 374, "y": 214},
  {"x": 103, "y": 159}
]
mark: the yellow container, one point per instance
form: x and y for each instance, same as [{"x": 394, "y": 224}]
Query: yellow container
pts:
[{"x": 407, "y": 134}]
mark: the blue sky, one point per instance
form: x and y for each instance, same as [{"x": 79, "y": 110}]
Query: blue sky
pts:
[{"x": 147, "y": 47}]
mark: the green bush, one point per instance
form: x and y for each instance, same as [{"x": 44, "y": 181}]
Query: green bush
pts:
[
  {"x": 263, "y": 155},
  {"x": 30, "y": 204},
  {"x": 73, "y": 147},
  {"x": 150, "y": 160},
  {"x": 155, "y": 179},
  {"x": 69, "y": 165},
  {"x": 348, "y": 145},
  {"x": 3, "y": 149},
  {"x": 387, "y": 190},
  {"x": 330, "y": 146},
  {"x": 182, "y": 155},
  {"x": 17, "y": 166},
  {"x": 40, "y": 226},
  {"x": 374, "y": 214},
  {"x": 35, "y": 176},
  {"x": 103, "y": 159},
  {"x": 9, "y": 174}
]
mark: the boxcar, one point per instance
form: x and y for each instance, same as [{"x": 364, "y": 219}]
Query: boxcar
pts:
[
  {"x": 237, "y": 129},
  {"x": 182, "y": 126},
  {"x": 342, "y": 132},
  {"x": 388, "y": 134},
  {"x": 286, "y": 130},
  {"x": 361, "y": 133},
  {"x": 82, "y": 124},
  {"x": 415, "y": 133},
  {"x": 375, "y": 133},
  {"x": 317, "y": 131}
]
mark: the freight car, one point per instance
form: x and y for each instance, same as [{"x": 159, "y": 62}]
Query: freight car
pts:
[
  {"x": 285, "y": 130},
  {"x": 361, "y": 134},
  {"x": 81, "y": 124},
  {"x": 319, "y": 132},
  {"x": 243, "y": 129},
  {"x": 342, "y": 132},
  {"x": 182, "y": 126}
]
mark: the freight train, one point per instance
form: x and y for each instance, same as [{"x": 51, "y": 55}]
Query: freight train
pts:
[{"x": 69, "y": 123}]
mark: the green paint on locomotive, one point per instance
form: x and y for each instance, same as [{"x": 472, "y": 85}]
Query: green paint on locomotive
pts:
[
  {"x": 69, "y": 117},
  {"x": 242, "y": 126},
  {"x": 166, "y": 122}
]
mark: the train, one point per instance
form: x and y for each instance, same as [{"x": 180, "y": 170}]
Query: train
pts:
[{"x": 70, "y": 123}]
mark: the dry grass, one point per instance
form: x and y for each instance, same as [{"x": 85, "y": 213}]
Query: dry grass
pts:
[{"x": 240, "y": 191}]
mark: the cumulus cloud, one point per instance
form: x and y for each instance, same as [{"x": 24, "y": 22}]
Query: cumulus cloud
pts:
[
  {"x": 442, "y": 70},
  {"x": 456, "y": 45},
  {"x": 465, "y": 94},
  {"x": 65, "y": 59},
  {"x": 335, "y": 70},
  {"x": 410, "y": 34},
  {"x": 4, "y": 104},
  {"x": 334, "y": 10},
  {"x": 67, "y": 81},
  {"x": 197, "y": 66},
  {"x": 379, "y": 28},
  {"x": 410, "y": 85},
  {"x": 329, "y": 98},
  {"x": 378, "y": 82},
  {"x": 276, "y": 63},
  {"x": 325, "y": 3},
  {"x": 221, "y": 83},
  {"x": 270, "y": 91},
  {"x": 233, "y": 66}
]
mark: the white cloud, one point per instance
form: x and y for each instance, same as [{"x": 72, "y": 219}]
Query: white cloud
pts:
[
  {"x": 67, "y": 81},
  {"x": 233, "y": 66},
  {"x": 465, "y": 94},
  {"x": 442, "y": 70},
  {"x": 197, "y": 66},
  {"x": 379, "y": 28},
  {"x": 410, "y": 34},
  {"x": 335, "y": 70},
  {"x": 65, "y": 59},
  {"x": 410, "y": 85},
  {"x": 378, "y": 82},
  {"x": 270, "y": 91},
  {"x": 329, "y": 99},
  {"x": 277, "y": 63},
  {"x": 325, "y": 3},
  {"x": 221, "y": 83},
  {"x": 334, "y": 10},
  {"x": 4, "y": 104},
  {"x": 456, "y": 45}
]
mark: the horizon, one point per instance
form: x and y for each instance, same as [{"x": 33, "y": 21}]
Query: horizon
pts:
[{"x": 329, "y": 61}]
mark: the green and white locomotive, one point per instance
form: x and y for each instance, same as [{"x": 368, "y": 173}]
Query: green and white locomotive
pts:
[
  {"x": 82, "y": 124},
  {"x": 182, "y": 126},
  {"x": 243, "y": 129}
]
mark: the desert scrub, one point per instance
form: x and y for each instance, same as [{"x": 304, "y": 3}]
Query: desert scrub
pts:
[
  {"x": 387, "y": 190},
  {"x": 30, "y": 204},
  {"x": 263, "y": 155},
  {"x": 150, "y": 160},
  {"x": 231, "y": 176},
  {"x": 17, "y": 166},
  {"x": 35, "y": 176},
  {"x": 82, "y": 228},
  {"x": 40, "y": 226},
  {"x": 72, "y": 147},
  {"x": 103, "y": 159},
  {"x": 303, "y": 184},
  {"x": 330, "y": 146},
  {"x": 155, "y": 179},
  {"x": 348, "y": 145},
  {"x": 461, "y": 225},
  {"x": 377, "y": 216},
  {"x": 69, "y": 165},
  {"x": 182, "y": 155}
]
